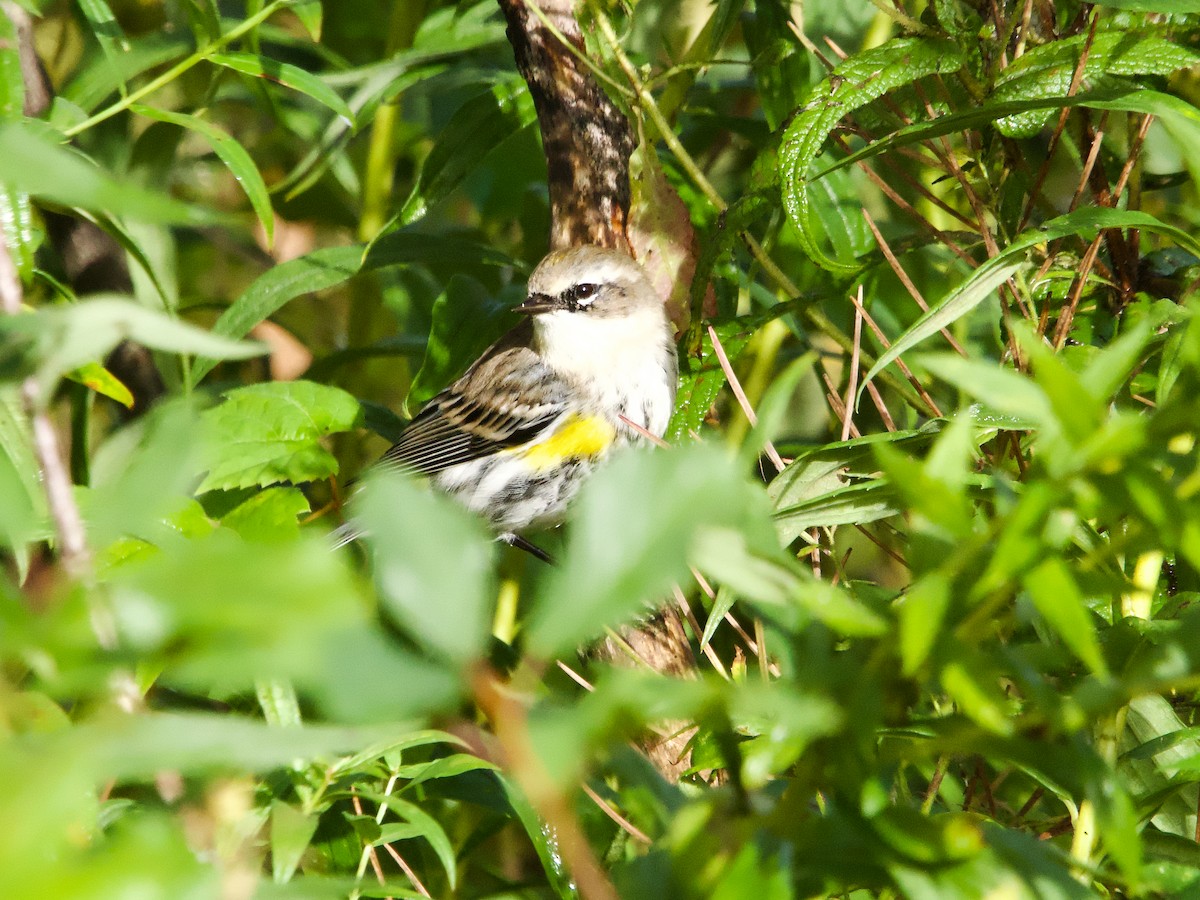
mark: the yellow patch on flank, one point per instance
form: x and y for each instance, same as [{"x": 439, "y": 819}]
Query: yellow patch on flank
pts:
[{"x": 578, "y": 438}]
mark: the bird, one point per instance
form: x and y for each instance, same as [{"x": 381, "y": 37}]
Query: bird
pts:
[{"x": 591, "y": 367}]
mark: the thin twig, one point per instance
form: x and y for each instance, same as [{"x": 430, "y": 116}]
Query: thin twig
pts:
[
  {"x": 743, "y": 402},
  {"x": 68, "y": 525},
  {"x": 835, "y": 402},
  {"x": 1067, "y": 316},
  {"x": 1086, "y": 173},
  {"x": 575, "y": 676},
  {"x": 1056, "y": 135},
  {"x": 884, "y": 413},
  {"x": 368, "y": 854},
  {"x": 852, "y": 383},
  {"x": 510, "y": 721},
  {"x": 905, "y": 280},
  {"x": 900, "y": 364},
  {"x": 407, "y": 869},
  {"x": 606, "y": 808},
  {"x": 648, "y": 435},
  {"x": 705, "y": 647}
]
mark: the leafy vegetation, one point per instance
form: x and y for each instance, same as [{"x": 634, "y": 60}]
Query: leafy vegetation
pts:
[{"x": 939, "y": 561}]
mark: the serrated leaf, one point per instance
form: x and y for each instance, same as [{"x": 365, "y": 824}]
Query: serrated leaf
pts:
[
  {"x": 857, "y": 81},
  {"x": 1179, "y": 117},
  {"x": 701, "y": 380},
  {"x": 230, "y": 152},
  {"x": 269, "y": 515},
  {"x": 1155, "y": 6},
  {"x": 1049, "y": 70},
  {"x": 287, "y": 75},
  {"x": 264, "y": 434}
]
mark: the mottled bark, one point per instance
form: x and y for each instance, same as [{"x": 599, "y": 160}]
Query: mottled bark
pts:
[
  {"x": 661, "y": 643},
  {"x": 586, "y": 138}
]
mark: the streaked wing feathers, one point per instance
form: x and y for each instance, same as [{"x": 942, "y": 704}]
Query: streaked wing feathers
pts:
[{"x": 503, "y": 400}]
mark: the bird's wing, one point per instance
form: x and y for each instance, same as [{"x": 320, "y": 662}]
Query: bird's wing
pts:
[{"x": 504, "y": 400}]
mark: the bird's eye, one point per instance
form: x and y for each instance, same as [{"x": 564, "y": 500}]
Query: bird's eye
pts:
[{"x": 585, "y": 292}]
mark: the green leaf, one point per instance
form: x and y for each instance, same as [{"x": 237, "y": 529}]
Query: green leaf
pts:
[
  {"x": 279, "y": 703},
  {"x": 289, "y": 76},
  {"x": 857, "y": 81},
  {"x": 31, "y": 162},
  {"x": 633, "y": 532},
  {"x": 332, "y": 266},
  {"x": 701, "y": 379},
  {"x": 1180, "y": 118},
  {"x": 55, "y": 340},
  {"x": 976, "y": 692},
  {"x": 97, "y": 378},
  {"x": 124, "y": 746},
  {"x": 838, "y": 484},
  {"x": 433, "y": 564},
  {"x": 230, "y": 152},
  {"x": 991, "y": 274},
  {"x": 263, "y": 434},
  {"x": 475, "y": 130},
  {"x": 269, "y": 515},
  {"x": 25, "y": 498},
  {"x": 1054, "y": 592},
  {"x": 921, "y": 616},
  {"x": 291, "y": 831},
  {"x": 1048, "y": 71},
  {"x": 97, "y": 79},
  {"x": 270, "y": 291},
  {"x": 20, "y": 230},
  {"x": 107, "y": 30},
  {"x": 1003, "y": 390},
  {"x": 425, "y": 826},
  {"x": 310, "y": 13},
  {"x": 12, "y": 84},
  {"x": 1167, "y": 7}
]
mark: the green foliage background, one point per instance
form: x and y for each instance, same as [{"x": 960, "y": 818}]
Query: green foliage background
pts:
[{"x": 948, "y": 650}]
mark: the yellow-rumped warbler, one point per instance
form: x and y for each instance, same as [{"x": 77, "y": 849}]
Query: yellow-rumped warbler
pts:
[{"x": 516, "y": 435}]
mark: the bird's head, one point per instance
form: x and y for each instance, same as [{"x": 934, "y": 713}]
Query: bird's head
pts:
[{"x": 589, "y": 281}]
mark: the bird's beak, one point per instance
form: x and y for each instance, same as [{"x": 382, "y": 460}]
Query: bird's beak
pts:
[{"x": 538, "y": 303}]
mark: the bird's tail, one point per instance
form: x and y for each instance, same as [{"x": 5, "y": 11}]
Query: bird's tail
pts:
[{"x": 346, "y": 534}]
